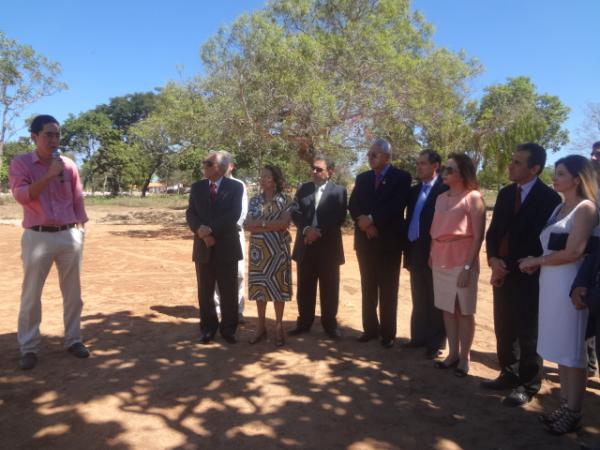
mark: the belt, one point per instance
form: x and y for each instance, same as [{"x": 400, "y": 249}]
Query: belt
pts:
[{"x": 51, "y": 229}]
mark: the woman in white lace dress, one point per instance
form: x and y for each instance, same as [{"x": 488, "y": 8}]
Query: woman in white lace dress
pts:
[{"x": 562, "y": 324}]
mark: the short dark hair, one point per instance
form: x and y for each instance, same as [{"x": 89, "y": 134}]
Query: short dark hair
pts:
[
  {"x": 37, "y": 124},
  {"x": 277, "y": 177},
  {"x": 328, "y": 161},
  {"x": 596, "y": 145},
  {"x": 466, "y": 168},
  {"x": 432, "y": 156},
  {"x": 537, "y": 155}
]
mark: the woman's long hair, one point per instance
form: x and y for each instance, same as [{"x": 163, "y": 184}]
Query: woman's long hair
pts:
[
  {"x": 580, "y": 167},
  {"x": 466, "y": 169}
]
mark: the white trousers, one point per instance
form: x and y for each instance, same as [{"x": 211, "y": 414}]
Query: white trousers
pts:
[
  {"x": 241, "y": 277},
  {"x": 39, "y": 250}
]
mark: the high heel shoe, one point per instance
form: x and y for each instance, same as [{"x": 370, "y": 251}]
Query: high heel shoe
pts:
[
  {"x": 258, "y": 337},
  {"x": 445, "y": 365},
  {"x": 461, "y": 371}
]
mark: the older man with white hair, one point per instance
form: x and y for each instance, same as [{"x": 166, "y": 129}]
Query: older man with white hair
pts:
[
  {"x": 214, "y": 209},
  {"x": 377, "y": 206},
  {"x": 241, "y": 263}
]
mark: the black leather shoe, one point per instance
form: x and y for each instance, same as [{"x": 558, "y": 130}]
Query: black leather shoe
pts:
[
  {"x": 205, "y": 338},
  {"x": 79, "y": 350},
  {"x": 333, "y": 334},
  {"x": 28, "y": 361},
  {"x": 502, "y": 383},
  {"x": 518, "y": 397},
  {"x": 387, "y": 343},
  {"x": 366, "y": 337},
  {"x": 296, "y": 331},
  {"x": 230, "y": 339}
]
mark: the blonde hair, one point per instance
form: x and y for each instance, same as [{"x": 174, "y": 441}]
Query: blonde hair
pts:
[{"x": 580, "y": 167}]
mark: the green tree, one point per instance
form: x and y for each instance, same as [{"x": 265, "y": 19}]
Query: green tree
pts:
[
  {"x": 303, "y": 76},
  {"x": 510, "y": 114},
  {"x": 12, "y": 149},
  {"x": 84, "y": 135},
  {"x": 127, "y": 110},
  {"x": 25, "y": 77}
]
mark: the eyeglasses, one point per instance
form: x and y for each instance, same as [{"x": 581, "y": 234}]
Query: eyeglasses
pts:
[
  {"x": 208, "y": 163},
  {"x": 450, "y": 170},
  {"x": 317, "y": 169},
  {"x": 50, "y": 135},
  {"x": 372, "y": 154}
]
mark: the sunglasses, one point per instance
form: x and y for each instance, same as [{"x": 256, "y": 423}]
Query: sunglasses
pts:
[
  {"x": 317, "y": 169},
  {"x": 450, "y": 170},
  {"x": 208, "y": 163}
]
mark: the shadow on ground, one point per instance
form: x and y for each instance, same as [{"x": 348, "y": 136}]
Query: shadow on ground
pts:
[{"x": 323, "y": 395}]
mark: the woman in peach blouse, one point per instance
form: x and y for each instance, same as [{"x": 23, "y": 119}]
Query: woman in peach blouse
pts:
[{"x": 456, "y": 237}]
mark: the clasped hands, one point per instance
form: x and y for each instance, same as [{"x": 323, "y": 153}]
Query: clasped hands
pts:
[
  {"x": 366, "y": 225},
  {"x": 311, "y": 234},
  {"x": 205, "y": 233}
]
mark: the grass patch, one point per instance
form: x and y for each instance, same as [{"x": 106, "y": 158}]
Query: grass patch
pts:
[{"x": 152, "y": 201}]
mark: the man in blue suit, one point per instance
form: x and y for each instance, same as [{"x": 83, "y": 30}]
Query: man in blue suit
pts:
[{"x": 426, "y": 322}]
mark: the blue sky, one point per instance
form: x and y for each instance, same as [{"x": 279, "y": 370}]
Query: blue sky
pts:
[{"x": 111, "y": 48}]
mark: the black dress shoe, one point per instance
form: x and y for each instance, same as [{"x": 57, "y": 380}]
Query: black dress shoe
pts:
[
  {"x": 518, "y": 397},
  {"x": 333, "y": 334},
  {"x": 503, "y": 382},
  {"x": 28, "y": 361},
  {"x": 230, "y": 339},
  {"x": 387, "y": 343},
  {"x": 366, "y": 337},
  {"x": 297, "y": 330},
  {"x": 79, "y": 350},
  {"x": 205, "y": 338}
]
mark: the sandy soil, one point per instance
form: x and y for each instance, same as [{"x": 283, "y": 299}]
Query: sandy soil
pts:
[{"x": 150, "y": 385}]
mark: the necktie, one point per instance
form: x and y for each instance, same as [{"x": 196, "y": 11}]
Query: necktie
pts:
[
  {"x": 413, "y": 227},
  {"x": 378, "y": 178},
  {"x": 503, "y": 250},
  {"x": 518, "y": 199},
  {"x": 318, "y": 194},
  {"x": 213, "y": 192}
]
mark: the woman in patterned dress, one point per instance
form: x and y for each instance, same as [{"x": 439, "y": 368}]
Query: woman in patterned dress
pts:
[{"x": 270, "y": 267}]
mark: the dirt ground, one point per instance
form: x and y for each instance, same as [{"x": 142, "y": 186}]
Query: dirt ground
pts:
[{"x": 149, "y": 384}]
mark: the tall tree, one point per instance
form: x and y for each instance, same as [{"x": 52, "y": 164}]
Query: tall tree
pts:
[
  {"x": 84, "y": 135},
  {"x": 589, "y": 131},
  {"x": 510, "y": 114},
  {"x": 307, "y": 75},
  {"x": 25, "y": 77}
]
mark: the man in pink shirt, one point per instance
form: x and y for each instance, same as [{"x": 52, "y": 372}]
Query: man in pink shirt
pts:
[{"x": 49, "y": 189}]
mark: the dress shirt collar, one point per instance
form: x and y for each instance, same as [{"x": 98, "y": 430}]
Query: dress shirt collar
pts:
[
  {"x": 525, "y": 188},
  {"x": 218, "y": 183},
  {"x": 383, "y": 171}
]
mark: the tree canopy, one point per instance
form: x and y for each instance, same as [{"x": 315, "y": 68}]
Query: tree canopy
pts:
[{"x": 25, "y": 77}]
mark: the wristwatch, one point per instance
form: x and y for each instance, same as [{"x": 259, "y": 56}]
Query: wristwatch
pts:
[{"x": 467, "y": 267}]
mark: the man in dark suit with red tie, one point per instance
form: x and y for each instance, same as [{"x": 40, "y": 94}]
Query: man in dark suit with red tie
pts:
[
  {"x": 377, "y": 206},
  {"x": 426, "y": 322},
  {"x": 214, "y": 208},
  {"x": 521, "y": 211},
  {"x": 320, "y": 209}
]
